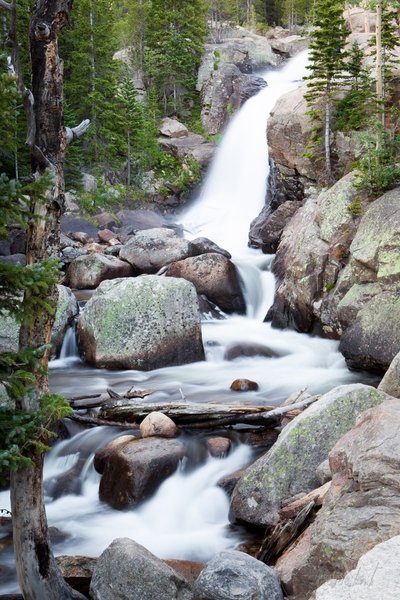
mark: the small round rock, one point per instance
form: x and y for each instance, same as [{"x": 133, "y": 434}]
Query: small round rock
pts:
[
  {"x": 244, "y": 385},
  {"x": 159, "y": 425}
]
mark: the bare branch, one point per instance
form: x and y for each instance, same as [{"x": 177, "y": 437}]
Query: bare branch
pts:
[
  {"x": 6, "y": 5},
  {"x": 73, "y": 133}
]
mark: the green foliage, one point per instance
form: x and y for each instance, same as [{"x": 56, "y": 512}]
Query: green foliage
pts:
[
  {"x": 25, "y": 434},
  {"x": 378, "y": 166},
  {"x": 179, "y": 175},
  {"x": 355, "y": 207}
]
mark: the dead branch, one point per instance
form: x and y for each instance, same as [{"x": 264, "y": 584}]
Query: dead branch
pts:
[{"x": 73, "y": 133}]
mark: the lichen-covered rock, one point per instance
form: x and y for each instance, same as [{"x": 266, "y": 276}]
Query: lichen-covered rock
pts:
[
  {"x": 192, "y": 146},
  {"x": 149, "y": 250},
  {"x": 215, "y": 276},
  {"x": 362, "y": 507},
  {"x": 376, "y": 576},
  {"x": 232, "y": 574},
  {"x": 87, "y": 272},
  {"x": 390, "y": 383},
  {"x": 133, "y": 471},
  {"x": 141, "y": 323},
  {"x": 372, "y": 341},
  {"x": 289, "y": 467},
  {"x": 127, "y": 571}
]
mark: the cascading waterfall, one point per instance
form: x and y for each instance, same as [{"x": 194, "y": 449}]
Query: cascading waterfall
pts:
[{"x": 187, "y": 518}]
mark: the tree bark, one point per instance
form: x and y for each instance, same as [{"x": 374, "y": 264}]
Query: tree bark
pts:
[
  {"x": 327, "y": 132},
  {"x": 379, "y": 65}
]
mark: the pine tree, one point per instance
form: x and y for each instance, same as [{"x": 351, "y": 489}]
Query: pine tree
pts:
[
  {"x": 175, "y": 33},
  {"x": 327, "y": 68}
]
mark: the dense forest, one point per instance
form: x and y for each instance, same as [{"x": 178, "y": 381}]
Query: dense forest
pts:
[{"x": 83, "y": 91}]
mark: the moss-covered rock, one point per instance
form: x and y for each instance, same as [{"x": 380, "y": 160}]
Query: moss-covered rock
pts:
[
  {"x": 289, "y": 467},
  {"x": 88, "y": 271},
  {"x": 141, "y": 323}
]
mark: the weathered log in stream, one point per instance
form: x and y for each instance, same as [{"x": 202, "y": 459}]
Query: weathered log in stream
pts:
[{"x": 186, "y": 414}]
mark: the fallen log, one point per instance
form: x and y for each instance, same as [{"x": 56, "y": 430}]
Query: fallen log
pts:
[{"x": 196, "y": 415}]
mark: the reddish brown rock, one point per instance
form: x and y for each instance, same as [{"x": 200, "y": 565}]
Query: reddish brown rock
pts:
[
  {"x": 159, "y": 425},
  {"x": 218, "y": 446},
  {"x": 244, "y": 385}
]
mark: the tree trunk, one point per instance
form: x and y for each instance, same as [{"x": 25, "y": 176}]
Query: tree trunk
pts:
[
  {"x": 327, "y": 133},
  {"x": 37, "y": 571},
  {"x": 38, "y": 574},
  {"x": 378, "y": 65}
]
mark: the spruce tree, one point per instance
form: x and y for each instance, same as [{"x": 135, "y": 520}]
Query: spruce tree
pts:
[{"x": 327, "y": 68}]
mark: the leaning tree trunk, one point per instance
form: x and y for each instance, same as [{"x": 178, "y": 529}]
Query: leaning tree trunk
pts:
[{"x": 38, "y": 574}]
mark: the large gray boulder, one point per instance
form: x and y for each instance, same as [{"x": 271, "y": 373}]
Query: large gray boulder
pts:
[
  {"x": 376, "y": 575},
  {"x": 132, "y": 471},
  {"x": 215, "y": 276},
  {"x": 235, "y": 575},
  {"x": 87, "y": 272},
  {"x": 390, "y": 383},
  {"x": 141, "y": 323},
  {"x": 289, "y": 466},
  {"x": 192, "y": 146},
  {"x": 149, "y": 250},
  {"x": 361, "y": 509},
  {"x": 127, "y": 571}
]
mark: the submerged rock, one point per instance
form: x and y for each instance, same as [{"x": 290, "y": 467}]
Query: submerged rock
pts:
[
  {"x": 141, "y": 323},
  {"x": 289, "y": 467}
]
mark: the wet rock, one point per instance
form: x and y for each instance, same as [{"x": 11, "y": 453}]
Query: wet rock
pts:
[
  {"x": 266, "y": 230},
  {"x": 362, "y": 507},
  {"x": 159, "y": 425},
  {"x": 231, "y": 574},
  {"x": 87, "y": 272},
  {"x": 141, "y": 575},
  {"x": 151, "y": 249},
  {"x": 228, "y": 482},
  {"x": 245, "y": 349},
  {"x": 244, "y": 385},
  {"x": 215, "y": 276},
  {"x": 141, "y": 323},
  {"x": 209, "y": 310},
  {"x": 218, "y": 446},
  {"x": 203, "y": 246},
  {"x": 289, "y": 467},
  {"x": 102, "y": 455},
  {"x": 77, "y": 571},
  {"x": 390, "y": 383},
  {"x": 133, "y": 471}
]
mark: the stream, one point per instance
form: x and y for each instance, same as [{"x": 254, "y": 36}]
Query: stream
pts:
[{"x": 187, "y": 517}]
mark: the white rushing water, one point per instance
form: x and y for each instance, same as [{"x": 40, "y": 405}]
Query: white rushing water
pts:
[{"x": 187, "y": 517}]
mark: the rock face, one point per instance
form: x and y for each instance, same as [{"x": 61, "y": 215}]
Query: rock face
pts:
[
  {"x": 289, "y": 467},
  {"x": 141, "y": 323},
  {"x": 87, "y": 272},
  {"x": 225, "y": 77},
  {"x": 362, "y": 507},
  {"x": 390, "y": 383},
  {"x": 133, "y": 471},
  {"x": 375, "y": 576},
  {"x": 215, "y": 276},
  {"x": 149, "y": 250},
  {"x": 127, "y": 571},
  {"x": 310, "y": 254},
  {"x": 193, "y": 146},
  {"x": 231, "y": 574}
]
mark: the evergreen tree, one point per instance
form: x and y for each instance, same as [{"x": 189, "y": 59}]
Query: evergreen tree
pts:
[
  {"x": 327, "y": 68},
  {"x": 175, "y": 33},
  {"x": 91, "y": 76}
]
